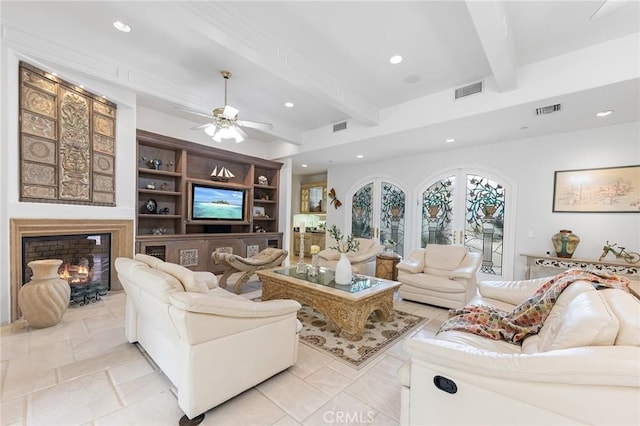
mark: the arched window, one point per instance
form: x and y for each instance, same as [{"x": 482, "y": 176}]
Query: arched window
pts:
[
  {"x": 467, "y": 207},
  {"x": 378, "y": 210}
]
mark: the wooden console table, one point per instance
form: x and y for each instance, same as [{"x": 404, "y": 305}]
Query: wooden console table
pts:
[{"x": 545, "y": 266}]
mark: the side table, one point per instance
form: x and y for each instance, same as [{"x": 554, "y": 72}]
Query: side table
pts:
[{"x": 386, "y": 265}]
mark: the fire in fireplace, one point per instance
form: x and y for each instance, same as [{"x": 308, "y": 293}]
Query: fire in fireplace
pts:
[{"x": 85, "y": 262}]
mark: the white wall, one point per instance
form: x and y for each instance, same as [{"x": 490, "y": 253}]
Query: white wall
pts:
[{"x": 529, "y": 164}]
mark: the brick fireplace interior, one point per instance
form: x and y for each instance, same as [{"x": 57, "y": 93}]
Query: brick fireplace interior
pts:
[
  {"x": 86, "y": 260},
  {"x": 88, "y": 247}
]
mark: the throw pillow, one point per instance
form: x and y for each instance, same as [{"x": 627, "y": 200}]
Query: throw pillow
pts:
[
  {"x": 152, "y": 261},
  {"x": 185, "y": 276}
]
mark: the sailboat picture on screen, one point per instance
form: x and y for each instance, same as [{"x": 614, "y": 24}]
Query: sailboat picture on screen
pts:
[{"x": 216, "y": 203}]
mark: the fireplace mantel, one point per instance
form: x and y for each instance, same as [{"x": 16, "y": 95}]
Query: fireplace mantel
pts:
[{"x": 121, "y": 244}]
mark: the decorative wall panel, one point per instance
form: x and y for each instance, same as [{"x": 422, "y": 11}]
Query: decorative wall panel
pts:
[{"x": 67, "y": 141}]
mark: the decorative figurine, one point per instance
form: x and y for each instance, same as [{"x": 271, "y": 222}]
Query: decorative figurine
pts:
[
  {"x": 154, "y": 164},
  {"x": 164, "y": 186},
  {"x": 158, "y": 231},
  {"x": 151, "y": 206},
  {"x": 151, "y": 185},
  {"x": 164, "y": 210},
  {"x": 262, "y": 180}
]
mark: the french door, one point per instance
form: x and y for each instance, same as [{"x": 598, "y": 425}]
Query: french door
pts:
[
  {"x": 378, "y": 209},
  {"x": 471, "y": 208}
]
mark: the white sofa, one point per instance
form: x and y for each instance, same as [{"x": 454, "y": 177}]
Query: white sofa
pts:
[
  {"x": 363, "y": 260},
  {"x": 583, "y": 367},
  {"x": 210, "y": 343},
  {"x": 440, "y": 275}
]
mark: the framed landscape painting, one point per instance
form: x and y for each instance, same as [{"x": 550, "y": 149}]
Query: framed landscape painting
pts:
[{"x": 606, "y": 190}]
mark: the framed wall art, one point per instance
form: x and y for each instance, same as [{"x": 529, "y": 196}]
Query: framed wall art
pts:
[
  {"x": 258, "y": 211},
  {"x": 67, "y": 142},
  {"x": 604, "y": 190}
]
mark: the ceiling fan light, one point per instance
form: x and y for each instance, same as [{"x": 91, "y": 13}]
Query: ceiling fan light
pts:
[
  {"x": 226, "y": 133},
  {"x": 238, "y": 138},
  {"x": 210, "y": 130}
]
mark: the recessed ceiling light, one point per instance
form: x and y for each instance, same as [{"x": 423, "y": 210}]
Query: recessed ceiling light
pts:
[
  {"x": 121, "y": 26},
  {"x": 450, "y": 140},
  {"x": 396, "y": 59},
  {"x": 288, "y": 104},
  {"x": 359, "y": 156},
  {"x": 303, "y": 165},
  {"x": 604, "y": 113},
  {"x": 55, "y": 74}
]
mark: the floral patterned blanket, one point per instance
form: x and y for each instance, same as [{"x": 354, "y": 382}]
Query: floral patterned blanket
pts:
[{"x": 528, "y": 317}]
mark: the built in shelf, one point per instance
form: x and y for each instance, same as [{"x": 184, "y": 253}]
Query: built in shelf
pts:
[
  {"x": 186, "y": 164},
  {"x": 159, "y": 172},
  {"x": 218, "y": 183},
  {"x": 158, "y": 192}
]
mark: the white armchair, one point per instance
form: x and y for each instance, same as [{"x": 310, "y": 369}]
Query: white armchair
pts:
[
  {"x": 363, "y": 261},
  {"x": 439, "y": 275}
]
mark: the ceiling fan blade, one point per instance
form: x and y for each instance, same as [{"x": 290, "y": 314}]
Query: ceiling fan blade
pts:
[
  {"x": 200, "y": 127},
  {"x": 191, "y": 111},
  {"x": 242, "y": 132},
  {"x": 255, "y": 124},
  {"x": 230, "y": 112}
]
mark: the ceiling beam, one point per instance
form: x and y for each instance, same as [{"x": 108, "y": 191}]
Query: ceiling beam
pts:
[
  {"x": 218, "y": 22},
  {"x": 497, "y": 41}
]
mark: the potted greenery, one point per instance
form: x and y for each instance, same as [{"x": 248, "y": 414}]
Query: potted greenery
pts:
[
  {"x": 389, "y": 244},
  {"x": 343, "y": 246},
  {"x": 343, "y": 268}
]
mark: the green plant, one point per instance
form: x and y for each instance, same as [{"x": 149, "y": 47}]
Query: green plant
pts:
[{"x": 351, "y": 244}]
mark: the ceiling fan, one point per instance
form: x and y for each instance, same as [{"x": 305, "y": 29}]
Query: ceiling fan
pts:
[{"x": 224, "y": 122}]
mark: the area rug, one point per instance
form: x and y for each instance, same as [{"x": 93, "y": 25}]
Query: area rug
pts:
[{"x": 319, "y": 334}]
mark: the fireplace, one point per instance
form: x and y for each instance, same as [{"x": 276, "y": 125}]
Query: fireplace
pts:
[
  {"x": 86, "y": 260},
  {"x": 86, "y": 232}
]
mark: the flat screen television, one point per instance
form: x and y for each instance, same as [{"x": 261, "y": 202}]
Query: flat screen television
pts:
[{"x": 216, "y": 203}]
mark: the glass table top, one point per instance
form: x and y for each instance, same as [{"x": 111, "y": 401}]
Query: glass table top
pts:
[{"x": 326, "y": 277}]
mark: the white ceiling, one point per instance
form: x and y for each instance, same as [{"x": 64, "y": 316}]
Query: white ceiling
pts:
[{"x": 331, "y": 60}]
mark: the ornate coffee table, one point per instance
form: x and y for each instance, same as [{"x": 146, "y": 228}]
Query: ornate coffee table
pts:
[{"x": 347, "y": 307}]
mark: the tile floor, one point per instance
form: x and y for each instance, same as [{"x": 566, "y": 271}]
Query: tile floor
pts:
[{"x": 83, "y": 371}]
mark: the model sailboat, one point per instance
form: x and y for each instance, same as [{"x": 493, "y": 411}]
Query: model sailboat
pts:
[{"x": 223, "y": 174}]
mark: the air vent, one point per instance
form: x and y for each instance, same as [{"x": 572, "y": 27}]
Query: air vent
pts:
[
  {"x": 339, "y": 126},
  {"x": 471, "y": 89},
  {"x": 548, "y": 109}
]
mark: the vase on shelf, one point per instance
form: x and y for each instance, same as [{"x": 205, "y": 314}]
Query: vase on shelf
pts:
[
  {"x": 343, "y": 270},
  {"x": 44, "y": 299},
  {"x": 565, "y": 243}
]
